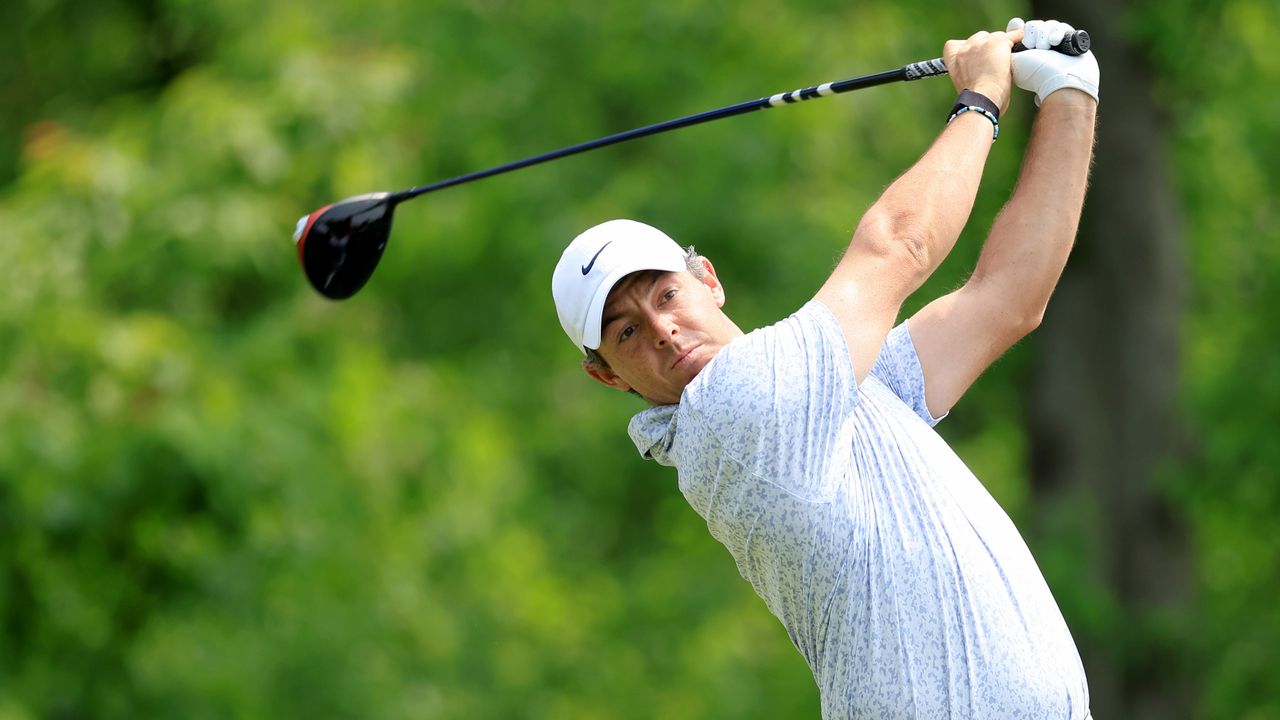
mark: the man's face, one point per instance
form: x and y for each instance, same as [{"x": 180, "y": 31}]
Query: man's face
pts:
[{"x": 658, "y": 331}]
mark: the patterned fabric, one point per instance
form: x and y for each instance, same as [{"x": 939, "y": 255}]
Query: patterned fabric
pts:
[{"x": 898, "y": 577}]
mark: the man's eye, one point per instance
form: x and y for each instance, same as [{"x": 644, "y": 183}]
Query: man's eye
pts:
[
  {"x": 626, "y": 332},
  {"x": 669, "y": 294}
]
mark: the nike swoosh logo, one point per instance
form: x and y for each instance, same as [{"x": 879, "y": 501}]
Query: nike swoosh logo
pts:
[{"x": 587, "y": 268}]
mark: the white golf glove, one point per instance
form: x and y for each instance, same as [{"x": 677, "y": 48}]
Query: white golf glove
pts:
[{"x": 1041, "y": 70}]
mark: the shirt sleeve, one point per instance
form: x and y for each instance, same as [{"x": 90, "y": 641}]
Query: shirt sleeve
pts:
[
  {"x": 778, "y": 402},
  {"x": 898, "y": 367}
]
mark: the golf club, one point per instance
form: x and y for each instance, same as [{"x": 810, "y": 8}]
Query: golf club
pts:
[{"x": 340, "y": 244}]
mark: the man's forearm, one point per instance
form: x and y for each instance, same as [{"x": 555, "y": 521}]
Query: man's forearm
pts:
[
  {"x": 928, "y": 205},
  {"x": 1027, "y": 249}
]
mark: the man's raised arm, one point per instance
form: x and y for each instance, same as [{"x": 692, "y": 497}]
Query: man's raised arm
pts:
[
  {"x": 907, "y": 233},
  {"x": 959, "y": 335}
]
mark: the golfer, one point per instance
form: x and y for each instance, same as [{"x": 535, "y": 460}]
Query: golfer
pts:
[{"x": 808, "y": 446}]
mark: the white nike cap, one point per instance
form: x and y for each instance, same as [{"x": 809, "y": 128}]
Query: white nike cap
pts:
[{"x": 595, "y": 261}]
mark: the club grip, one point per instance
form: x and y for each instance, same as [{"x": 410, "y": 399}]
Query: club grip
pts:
[{"x": 1075, "y": 42}]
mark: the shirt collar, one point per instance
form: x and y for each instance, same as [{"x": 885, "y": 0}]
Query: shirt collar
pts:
[{"x": 653, "y": 431}]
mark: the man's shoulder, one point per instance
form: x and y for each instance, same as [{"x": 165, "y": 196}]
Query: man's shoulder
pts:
[
  {"x": 778, "y": 387},
  {"x": 774, "y": 405},
  {"x": 728, "y": 396},
  {"x": 742, "y": 361}
]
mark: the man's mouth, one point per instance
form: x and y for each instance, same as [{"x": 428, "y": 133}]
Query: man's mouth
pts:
[{"x": 684, "y": 356}]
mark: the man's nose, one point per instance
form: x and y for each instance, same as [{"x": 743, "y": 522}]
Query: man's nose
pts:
[{"x": 664, "y": 330}]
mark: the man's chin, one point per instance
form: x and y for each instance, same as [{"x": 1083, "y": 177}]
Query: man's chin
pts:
[
  {"x": 696, "y": 365},
  {"x": 682, "y": 374},
  {"x": 699, "y": 359}
]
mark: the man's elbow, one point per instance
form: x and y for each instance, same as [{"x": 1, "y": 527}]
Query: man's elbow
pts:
[
  {"x": 1029, "y": 321},
  {"x": 1007, "y": 318},
  {"x": 1013, "y": 310},
  {"x": 896, "y": 238},
  {"x": 1023, "y": 320}
]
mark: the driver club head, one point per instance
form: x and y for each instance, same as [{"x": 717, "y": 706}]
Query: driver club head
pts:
[{"x": 340, "y": 245}]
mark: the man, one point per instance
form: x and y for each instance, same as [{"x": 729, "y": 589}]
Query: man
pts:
[{"x": 808, "y": 446}]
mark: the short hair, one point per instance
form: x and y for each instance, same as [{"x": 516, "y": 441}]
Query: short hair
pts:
[{"x": 693, "y": 263}]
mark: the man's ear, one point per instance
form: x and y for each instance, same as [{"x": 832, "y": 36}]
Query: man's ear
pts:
[
  {"x": 604, "y": 375},
  {"x": 712, "y": 281}
]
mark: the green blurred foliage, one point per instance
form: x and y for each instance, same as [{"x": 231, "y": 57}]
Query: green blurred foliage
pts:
[
  {"x": 1223, "y": 107},
  {"x": 222, "y": 496}
]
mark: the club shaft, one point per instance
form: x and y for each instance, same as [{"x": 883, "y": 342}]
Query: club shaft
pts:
[
  {"x": 809, "y": 93},
  {"x": 1075, "y": 43}
]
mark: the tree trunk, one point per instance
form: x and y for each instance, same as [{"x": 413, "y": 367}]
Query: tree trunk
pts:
[{"x": 1103, "y": 412}]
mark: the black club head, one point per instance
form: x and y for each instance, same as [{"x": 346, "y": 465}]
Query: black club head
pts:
[{"x": 340, "y": 245}]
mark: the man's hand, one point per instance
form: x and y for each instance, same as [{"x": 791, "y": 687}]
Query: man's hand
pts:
[
  {"x": 982, "y": 64},
  {"x": 1043, "y": 71}
]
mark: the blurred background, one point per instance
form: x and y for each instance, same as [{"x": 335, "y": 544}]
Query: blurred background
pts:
[{"x": 222, "y": 496}]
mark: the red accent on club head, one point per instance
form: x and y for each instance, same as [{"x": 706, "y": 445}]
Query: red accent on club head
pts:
[
  {"x": 353, "y": 235},
  {"x": 311, "y": 220}
]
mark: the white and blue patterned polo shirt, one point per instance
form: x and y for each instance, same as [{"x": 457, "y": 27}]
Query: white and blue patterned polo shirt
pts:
[{"x": 899, "y": 578}]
